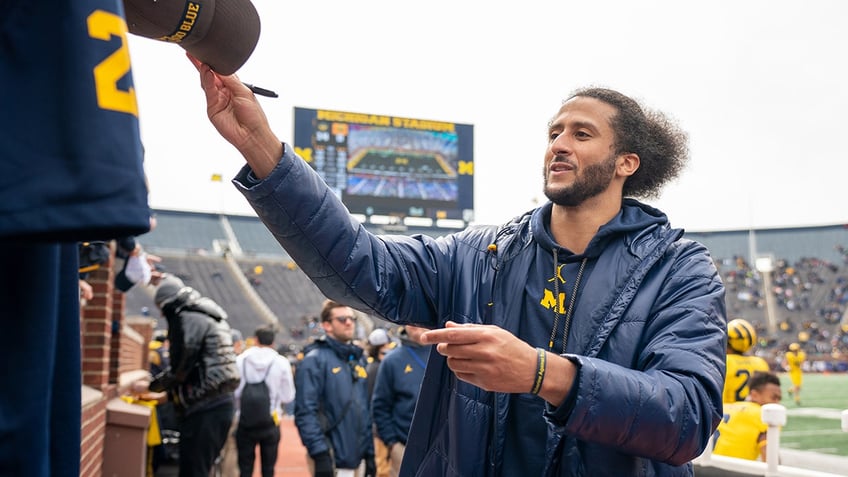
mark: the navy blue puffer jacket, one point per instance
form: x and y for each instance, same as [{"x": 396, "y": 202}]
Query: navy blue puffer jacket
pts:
[
  {"x": 650, "y": 366},
  {"x": 331, "y": 404}
]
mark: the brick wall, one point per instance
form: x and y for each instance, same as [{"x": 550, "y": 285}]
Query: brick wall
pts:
[
  {"x": 131, "y": 350},
  {"x": 144, "y": 326},
  {"x": 93, "y": 430},
  {"x": 117, "y": 319},
  {"x": 96, "y": 343},
  {"x": 96, "y": 329},
  {"x": 109, "y": 347}
]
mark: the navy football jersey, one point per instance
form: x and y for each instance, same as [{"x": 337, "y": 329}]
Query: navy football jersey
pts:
[{"x": 70, "y": 150}]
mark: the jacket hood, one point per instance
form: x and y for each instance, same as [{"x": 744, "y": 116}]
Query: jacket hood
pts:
[
  {"x": 345, "y": 351},
  {"x": 189, "y": 299},
  {"x": 259, "y": 358},
  {"x": 633, "y": 216}
]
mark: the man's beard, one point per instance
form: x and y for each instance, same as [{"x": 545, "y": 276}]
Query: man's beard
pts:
[{"x": 593, "y": 180}]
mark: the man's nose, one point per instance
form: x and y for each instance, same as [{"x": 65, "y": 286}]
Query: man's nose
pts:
[{"x": 561, "y": 145}]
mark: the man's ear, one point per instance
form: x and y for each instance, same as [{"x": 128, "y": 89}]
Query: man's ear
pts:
[{"x": 627, "y": 164}]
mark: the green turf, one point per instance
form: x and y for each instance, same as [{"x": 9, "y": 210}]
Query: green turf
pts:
[{"x": 818, "y": 434}]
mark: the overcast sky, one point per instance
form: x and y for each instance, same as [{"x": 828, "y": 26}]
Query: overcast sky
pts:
[{"x": 760, "y": 86}]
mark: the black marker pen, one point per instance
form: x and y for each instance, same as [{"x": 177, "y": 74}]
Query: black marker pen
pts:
[{"x": 261, "y": 91}]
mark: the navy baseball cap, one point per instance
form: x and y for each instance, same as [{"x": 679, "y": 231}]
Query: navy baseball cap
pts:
[{"x": 220, "y": 33}]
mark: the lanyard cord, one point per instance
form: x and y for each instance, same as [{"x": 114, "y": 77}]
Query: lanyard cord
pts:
[{"x": 570, "y": 310}]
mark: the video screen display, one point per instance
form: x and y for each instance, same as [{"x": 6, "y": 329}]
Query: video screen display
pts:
[{"x": 387, "y": 165}]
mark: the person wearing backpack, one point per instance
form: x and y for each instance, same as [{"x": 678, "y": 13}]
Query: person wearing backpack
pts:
[{"x": 266, "y": 384}]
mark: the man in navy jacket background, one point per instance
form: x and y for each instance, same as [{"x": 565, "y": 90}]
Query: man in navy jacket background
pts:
[
  {"x": 332, "y": 412},
  {"x": 396, "y": 392}
]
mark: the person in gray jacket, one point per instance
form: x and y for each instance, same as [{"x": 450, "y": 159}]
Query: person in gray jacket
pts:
[
  {"x": 202, "y": 374},
  {"x": 585, "y": 337}
]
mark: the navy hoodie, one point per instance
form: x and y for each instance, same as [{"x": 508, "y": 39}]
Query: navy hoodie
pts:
[{"x": 524, "y": 451}]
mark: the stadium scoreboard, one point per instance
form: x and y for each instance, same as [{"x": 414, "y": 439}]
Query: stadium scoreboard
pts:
[{"x": 388, "y": 165}]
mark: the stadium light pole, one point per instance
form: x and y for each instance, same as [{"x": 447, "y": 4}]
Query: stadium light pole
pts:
[
  {"x": 752, "y": 245},
  {"x": 765, "y": 265}
]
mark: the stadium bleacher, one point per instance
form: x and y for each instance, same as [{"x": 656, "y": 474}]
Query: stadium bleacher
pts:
[
  {"x": 220, "y": 255},
  {"x": 212, "y": 277},
  {"x": 184, "y": 231},
  {"x": 237, "y": 262},
  {"x": 789, "y": 244},
  {"x": 255, "y": 239},
  {"x": 289, "y": 293}
]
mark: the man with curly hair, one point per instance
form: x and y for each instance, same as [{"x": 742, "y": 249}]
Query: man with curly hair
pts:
[{"x": 585, "y": 337}]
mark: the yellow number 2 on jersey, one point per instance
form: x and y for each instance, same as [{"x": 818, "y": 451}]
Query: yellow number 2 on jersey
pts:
[{"x": 104, "y": 25}]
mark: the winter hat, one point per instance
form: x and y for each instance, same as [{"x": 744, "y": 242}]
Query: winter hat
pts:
[
  {"x": 168, "y": 289},
  {"x": 378, "y": 337}
]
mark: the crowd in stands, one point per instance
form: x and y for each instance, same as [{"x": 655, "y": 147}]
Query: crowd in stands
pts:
[
  {"x": 809, "y": 294},
  {"x": 800, "y": 303},
  {"x": 809, "y": 300}
]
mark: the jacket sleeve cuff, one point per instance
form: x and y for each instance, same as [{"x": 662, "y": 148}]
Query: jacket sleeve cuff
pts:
[
  {"x": 560, "y": 414},
  {"x": 246, "y": 181}
]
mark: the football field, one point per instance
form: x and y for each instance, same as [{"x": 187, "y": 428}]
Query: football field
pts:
[{"x": 815, "y": 425}]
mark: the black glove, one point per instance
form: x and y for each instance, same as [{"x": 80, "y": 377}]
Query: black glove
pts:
[
  {"x": 163, "y": 381},
  {"x": 370, "y": 466},
  {"x": 323, "y": 464}
]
